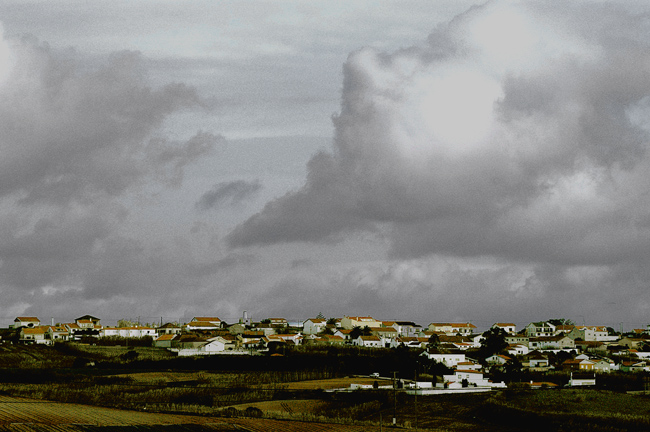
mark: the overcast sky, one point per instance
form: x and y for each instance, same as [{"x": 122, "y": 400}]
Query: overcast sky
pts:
[{"x": 421, "y": 160}]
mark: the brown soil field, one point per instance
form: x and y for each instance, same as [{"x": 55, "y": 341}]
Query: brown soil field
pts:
[
  {"x": 333, "y": 383},
  {"x": 284, "y": 407},
  {"x": 22, "y": 415},
  {"x": 325, "y": 384},
  {"x": 149, "y": 377}
]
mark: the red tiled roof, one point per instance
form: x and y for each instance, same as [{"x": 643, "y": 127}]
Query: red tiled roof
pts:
[{"x": 35, "y": 330}]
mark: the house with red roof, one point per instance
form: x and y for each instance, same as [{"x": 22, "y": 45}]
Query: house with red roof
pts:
[
  {"x": 29, "y": 322},
  {"x": 450, "y": 329},
  {"x": 35, "y": 335},
  {"x": 350, "y": 322}
]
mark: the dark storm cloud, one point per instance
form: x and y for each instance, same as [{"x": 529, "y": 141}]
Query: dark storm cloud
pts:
[
  {"x": 518, "y": 131},
  {"x": 230, "y": 193}
]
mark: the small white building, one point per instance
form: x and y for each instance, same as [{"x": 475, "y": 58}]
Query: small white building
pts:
[
  {"x": 509, "y": 328},
  {"x": 451, "y": 329},
  {"x": 448, "y": 359},
  {"x": 580, "y": 382},
  {"x": 314, "y": 325},
  {"x": 128, "y": 332},
  {"x": 218, "y": 344},
  {"x": 369, "y": 341},
  {"x": 497, "y": 359},
  {"x": 517, "y": 349},
  {"x": 471, "y": 377}
]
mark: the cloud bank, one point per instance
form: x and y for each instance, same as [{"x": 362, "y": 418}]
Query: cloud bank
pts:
[
  {"x": 77, "y": 139},
  {"x": 517, "y": 131}
]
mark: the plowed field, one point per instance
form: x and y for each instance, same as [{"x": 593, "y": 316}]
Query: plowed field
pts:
[{"x": 27, "y": 415}]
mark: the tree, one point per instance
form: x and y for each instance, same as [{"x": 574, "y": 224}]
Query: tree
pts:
[
  {"x": 125, "y": 323},
  {"x": 320, "y": 315},
  {"x": 331, "y": 321},
  {"x": 355, "y": 332},
  {"x": 434, "y": 340},
  {"x": 494, "y": 342}
]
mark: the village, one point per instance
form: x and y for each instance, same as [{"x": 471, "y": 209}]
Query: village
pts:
[{"x": 467, "y": 356}]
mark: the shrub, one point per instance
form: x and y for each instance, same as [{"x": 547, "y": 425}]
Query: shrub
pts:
[{"x": 253, "y": 412}]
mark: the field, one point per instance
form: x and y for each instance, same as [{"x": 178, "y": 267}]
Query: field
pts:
[
  {"x": 20, "y": 414},
  {"x": 88, "y": 388}
]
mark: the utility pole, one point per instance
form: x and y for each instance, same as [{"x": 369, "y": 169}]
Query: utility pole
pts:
[
  {"x": 416, "y": 399},
  {"x": 394, "y": 399}
]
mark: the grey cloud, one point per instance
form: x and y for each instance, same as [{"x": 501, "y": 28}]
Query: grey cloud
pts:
[
  {"x": 513, "y": 133},
  {"x": 228, "y": 262},
  {"x": 70, "y": 131},
  {"x": 53, "y": 251},
  {"x": 228, "y": 193},
  {"x": 170, "y": 159},
  {"x": 76, "y": 139}
]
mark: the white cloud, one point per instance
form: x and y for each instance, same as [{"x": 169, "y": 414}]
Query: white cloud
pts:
[{"x": 481, "y": 145}]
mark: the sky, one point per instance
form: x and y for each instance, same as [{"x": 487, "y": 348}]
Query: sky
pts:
[{"x": 429, "y": 161}]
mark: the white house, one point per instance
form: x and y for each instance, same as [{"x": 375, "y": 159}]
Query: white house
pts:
[
  {"x": 128, "y": 332},
  {"x": 404, "y": 328},
  {"x": 517, "y": 349},
  {"x": 535, "y": 359},
  {"x": 451, "y": 329},
  {"x": 314, "y": 325},
  {"x": 603, "y": 365},
  {"x": 212, "y": 320},
  {"x": 448, "y": 359},
  {"x": 551, "y": 342},
  {"x": 498, "y": 359},
  {"x": 57, "y": 333},
  {"x": 349, "y": 322},
  {"x": 539, "y": 329},
  {"x": 469, "y": 365},
  {"x": 35, "y": 335},
  {"x": 509, "y": 328},
  {"x": 30, "y": 322},
  {"x": 472, "y": 377},
  {"x": 369, "y": 341},
  {"x": 202, "y": 325},
  {"x": 386, "y": 334},
  {"x": 579, "y": 382},
  {"x": 218, "y": 344},
  {"x": 344, "y": 333},
  {"x": 169, "y": 328},
  {"x": 592, "y": 333}
]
